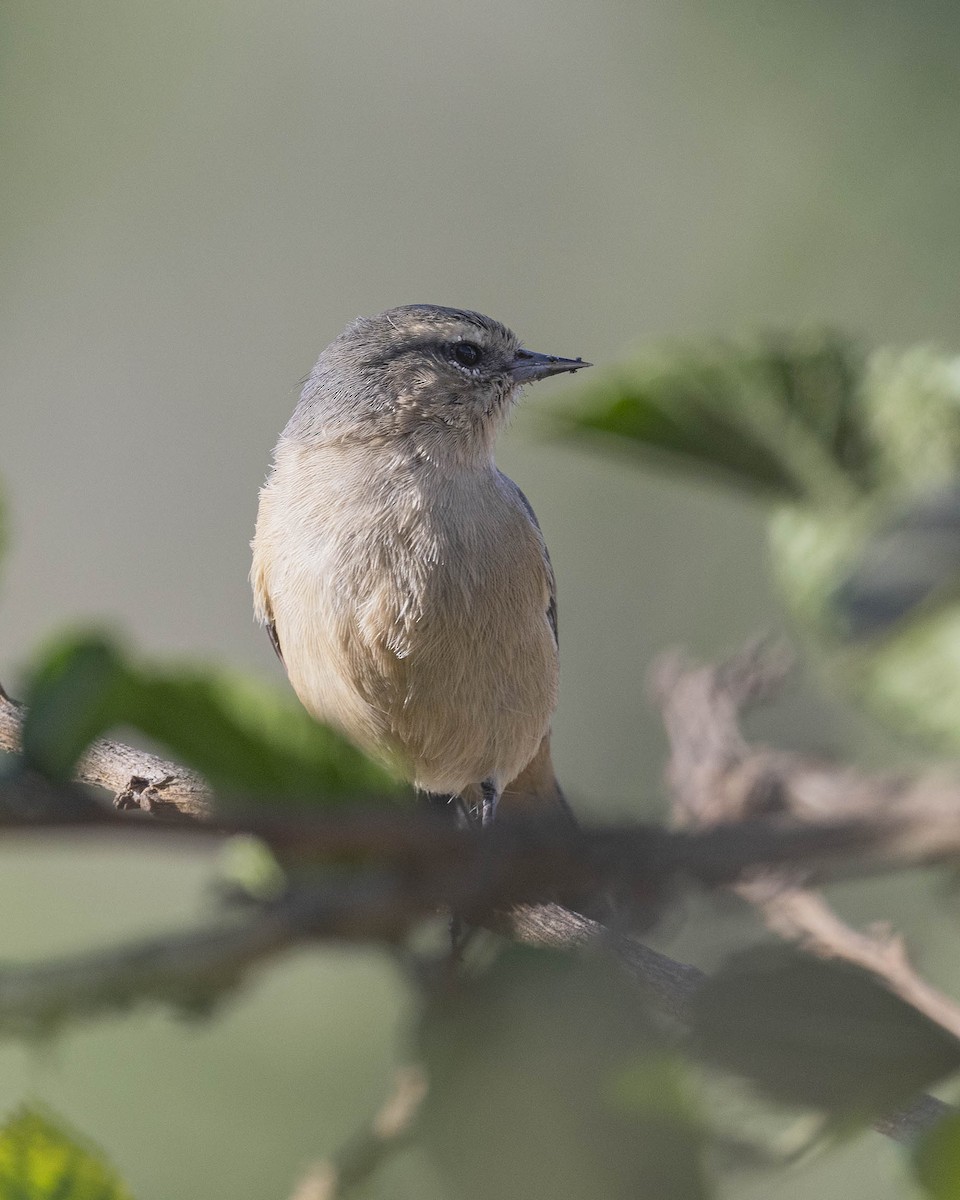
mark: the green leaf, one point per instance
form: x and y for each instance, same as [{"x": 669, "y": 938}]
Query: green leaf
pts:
[
  {"x": 549, "y": 1079},
  {"x": 875, "y": 592},
  {"x": 41, "y": 1160},
  {"x": 780, "y": 416},
  {"x": 911, "y": 399},
  {"x": 243, "y": 737},
  {"x": 908, "y": 565},
  {"x": 653, "y": 1085},
  {"x": 817, "y": 1033},
  {"x": 936, "y": 1160},
  {"x": 876, "y": 585},
  {"x": 668, "y": 420},
  {"x": 247, "y": 738},
  {"x": 74, "y": 694}
]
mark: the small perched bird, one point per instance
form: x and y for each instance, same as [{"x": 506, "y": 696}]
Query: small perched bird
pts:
[{"x": 403, "y": 579}]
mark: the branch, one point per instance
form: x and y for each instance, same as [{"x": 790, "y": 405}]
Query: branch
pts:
[
  {"x": 136, "y": 778},
  {"x": 671, "y": 985},
  {"x": 717, "y": 777},
  {"x": 186, "y": 970},
  {"x": 498, "y": 876},
  {"x": 854, "y": 823},
  {"x": 195, "y": 970},
  {"x": 389, "y": 1130},
  {"x": 430, "y": 862}
]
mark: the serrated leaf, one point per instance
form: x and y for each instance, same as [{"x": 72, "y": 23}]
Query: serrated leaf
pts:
[
  {"x": 780, "y": 416},
  {"x": 244, "y": 738},
  {"x": 936, "y": 1160},
  {"x": 41, "y": 1160},
  {"x": 546, "y": 1080},
  {"x": 822, "y": 1034}
]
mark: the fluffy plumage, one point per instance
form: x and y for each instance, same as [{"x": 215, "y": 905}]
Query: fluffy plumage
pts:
[{"x": 404, "y": 577}]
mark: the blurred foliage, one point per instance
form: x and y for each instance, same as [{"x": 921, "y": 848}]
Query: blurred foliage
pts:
[
  {"x": 548, "y": 1078},
  {"x": 177, "y": 162},
  {"x": 244, "y": 738},
  {"x": 549, "y": 1075},
  {"x": 776, "y": 417},
  {"x": 936, "y": 1160},
  {"x": 41, "y": 1160},
  {"x": 818, "y": 1033},
  {"x": 858, "y": 459}
]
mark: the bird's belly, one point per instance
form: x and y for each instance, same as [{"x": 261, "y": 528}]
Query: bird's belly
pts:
[
  {"x": 476, "y": 703},
  {"x": 449, "y": 675}
]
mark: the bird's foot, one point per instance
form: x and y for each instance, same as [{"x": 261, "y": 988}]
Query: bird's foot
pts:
[{"x": 488, "y": 805}]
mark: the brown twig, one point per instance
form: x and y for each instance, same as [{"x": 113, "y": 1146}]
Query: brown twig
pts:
[
  {"x": 196, "y": 967},
  {"x": 389, "y": 1130},
  {"x": 716, "y": 777},
  {"x": 136, "y": 778},
  {"x": 190, "y": 970},
  {"x": 803, "y": 916}
]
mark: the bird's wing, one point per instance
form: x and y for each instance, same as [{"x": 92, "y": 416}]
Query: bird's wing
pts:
[
  {"x": 551, "y": 577},
  {"x": 263, "y": 609},
  {"x": 271, "y": 628}
]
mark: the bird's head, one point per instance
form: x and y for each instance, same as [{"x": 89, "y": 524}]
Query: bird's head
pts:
[{"x": 441, "y": 375}]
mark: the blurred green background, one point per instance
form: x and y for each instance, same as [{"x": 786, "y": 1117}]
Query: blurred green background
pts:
[{"x": 196, "y": 198}]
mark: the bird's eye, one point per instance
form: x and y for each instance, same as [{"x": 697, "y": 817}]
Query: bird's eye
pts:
[{"x": 467, "y": 354}]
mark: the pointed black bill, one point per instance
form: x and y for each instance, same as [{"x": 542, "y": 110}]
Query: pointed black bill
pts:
[{"x": 528, "y": 366}]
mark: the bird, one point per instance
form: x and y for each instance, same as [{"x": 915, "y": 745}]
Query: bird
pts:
[{"x": 403, "y": 579}]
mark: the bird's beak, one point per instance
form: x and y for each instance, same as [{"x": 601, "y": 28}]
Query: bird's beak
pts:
[{"x": 528, "y": 366}]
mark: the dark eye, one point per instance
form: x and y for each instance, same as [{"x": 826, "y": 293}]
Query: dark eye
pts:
[{"x": 467, "y": 354}]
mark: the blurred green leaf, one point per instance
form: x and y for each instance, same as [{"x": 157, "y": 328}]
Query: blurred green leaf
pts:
[
  {"x": 75, "y": 693},
  {"x": 247, "y": 866},
  {"x": 909, "y": 563},
  {"x": 817, "y": 1033},
  {"x": 549, "y": 1079},
  {"x": 874, "y": 589},
  {"x": 912, "y": 406},
  {"x": 860, "y": 457},
  {"x": 936, "y": 1160},
  {"x": 875, "y": 584},
  {"x": 243, "y": 737},
  {"x": 41, "y": 1160},
  {"x": 779, "y": 417},
  {"x": 654, "y": 1085},
  {"x": 657, "y": 414}
]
